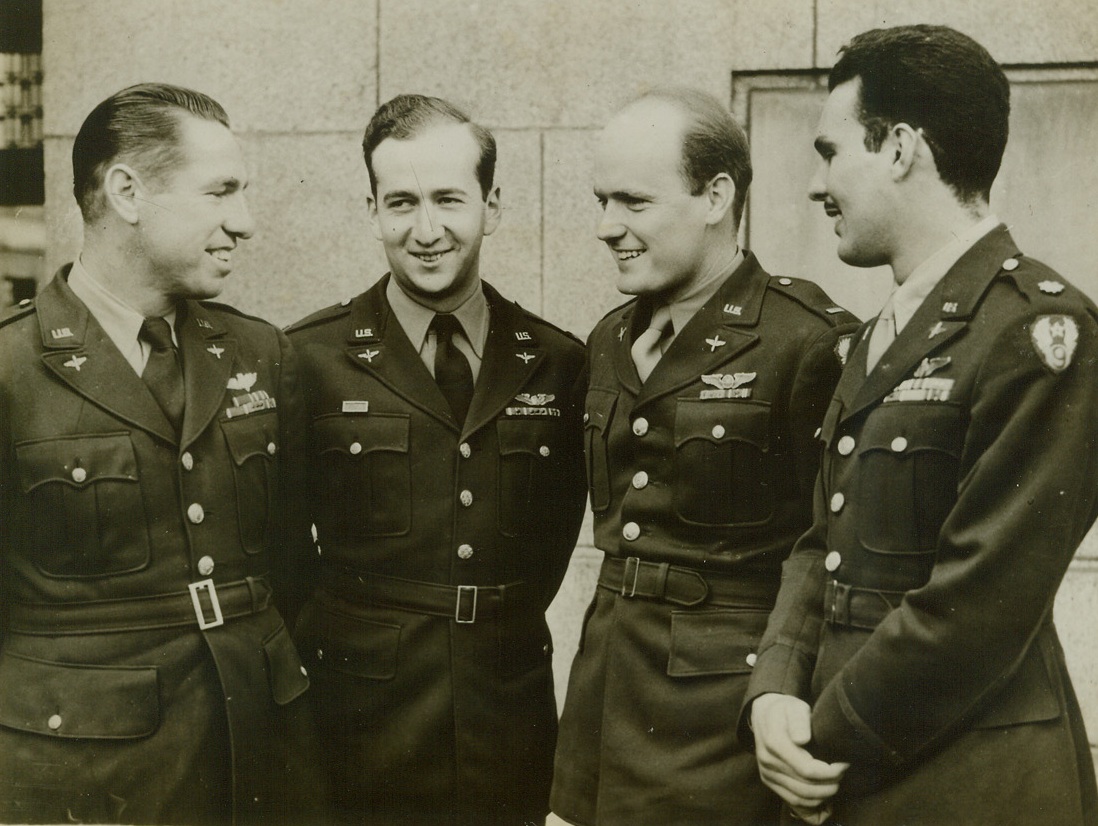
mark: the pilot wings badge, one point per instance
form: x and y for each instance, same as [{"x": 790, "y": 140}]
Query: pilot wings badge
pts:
[
  {"x": 729, "y": 385},
  {"x": 534, "y": 404},
  {"x": 241, "y": 381},
  {"x": 1054, "y": 338}
]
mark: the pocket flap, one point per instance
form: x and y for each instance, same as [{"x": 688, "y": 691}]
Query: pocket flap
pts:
[
  {"x": 254, "y": 435},
  {"x": 73, "y": 700},
  {"x": 78, "y": 461},
  {"x": 900, "y": 428},
  {"x": 524, "y": 436},
  {"x": 723, "y": 421},
  {"x": 359, "y": 435},
  {"x": 356, "y": 646},
  {"x": 289, "y": 679},
  {"x": 714, "y": 642}
]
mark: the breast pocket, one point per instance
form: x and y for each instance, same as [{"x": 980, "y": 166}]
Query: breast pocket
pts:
[
  {"x": 253, "y": 445},
  {"x": 365, "y": 483},
  {"x": 529, "y": 453},
  {"x": 721, "y": 472},
  {"x": 85, "y": 514},
  {"x": 596, "y": 425},
  {"x": 908, "y": 461}
]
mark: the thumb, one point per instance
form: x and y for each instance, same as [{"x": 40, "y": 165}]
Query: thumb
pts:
[{"x": 800, "y": 725}]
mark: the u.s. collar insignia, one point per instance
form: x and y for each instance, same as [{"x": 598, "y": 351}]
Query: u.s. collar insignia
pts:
[
  {"x": 522, "y": 335},
  {"x": 215, "y": 350},
  {"x": 61, "y": 332},
  {"x": 241, "y": 381},
  {"x": 535, "y": 398},
  {"x": 1051, "y": 287},
  {"x": 75, "y": 362},
  {"x": 1054, "y": 338},
  {"x": 949, "y": 307},
  {"x": 842, "y": 348},
  {"x": 715, "y": 342},
  {"x": 364, "y": 332},
  {"x": 928, "y": 366},
  {"x": 729, "y": 385},
  {"x": 733, "y": 309}
]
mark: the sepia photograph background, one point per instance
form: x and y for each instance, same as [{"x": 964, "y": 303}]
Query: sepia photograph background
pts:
[{"x": 301, "y": 78}]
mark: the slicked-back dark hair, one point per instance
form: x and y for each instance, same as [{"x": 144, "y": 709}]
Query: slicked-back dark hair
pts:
[
  {"x": 938, "y": 80},
  {"x": 713, "y": 142},
  {"x": 139, "y": 125},
  {"x": 405, "y": 116}
]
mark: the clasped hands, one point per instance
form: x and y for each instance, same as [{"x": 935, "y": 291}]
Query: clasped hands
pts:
[{"x": 783, "y": 727}]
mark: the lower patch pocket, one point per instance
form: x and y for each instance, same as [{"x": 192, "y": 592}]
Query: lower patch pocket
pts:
[
  {"x": 73, "y": 700},
  {"x": 714, "y": 642},
  {"x": 287, "y": 675}
]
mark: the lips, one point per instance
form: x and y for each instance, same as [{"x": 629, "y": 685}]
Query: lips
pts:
[
  {"x": 222, "y": 254},
  {"x": 628, "y": 255},
  {"x": 430, "y": 257}
]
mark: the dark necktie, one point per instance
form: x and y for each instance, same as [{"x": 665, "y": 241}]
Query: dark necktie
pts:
[
  {"x": 452, "y": 371},
  {"x": 162, "y": 372}
]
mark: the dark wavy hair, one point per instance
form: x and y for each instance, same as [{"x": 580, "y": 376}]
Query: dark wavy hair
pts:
[
  {"x": 940, "y": 81},
  {"x": 405, "y": 116},
  {"x": 139, "y": 125}
]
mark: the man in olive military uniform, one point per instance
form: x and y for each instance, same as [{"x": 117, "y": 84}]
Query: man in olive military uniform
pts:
[
  {"x": 146, "y": 438},
  {"x": 447, "y": 485},
  {"x": 911, "y": 664},
  {"x": 701, "y": 465}
]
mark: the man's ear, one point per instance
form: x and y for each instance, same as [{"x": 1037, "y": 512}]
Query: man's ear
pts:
[
  {"x": 493, "y": 211},
  {"x": 122, "y": 188},
  {"x": 902, "y": 145},
  {"x": 375, "y": 219},
  {"x": 720, "y": 192}
]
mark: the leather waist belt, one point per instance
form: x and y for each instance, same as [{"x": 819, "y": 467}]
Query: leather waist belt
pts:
[
  {"x": 464, "y": 604},
  {"x": 635, "y": 578},
  {"x": 204, "y": 605},
  {"x": 858, "y": 607}
]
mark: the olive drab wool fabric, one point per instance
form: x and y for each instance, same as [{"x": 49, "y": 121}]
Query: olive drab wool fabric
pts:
[
  {"x": 123, "y": 698},
  {"x": 957, "y": 480}
]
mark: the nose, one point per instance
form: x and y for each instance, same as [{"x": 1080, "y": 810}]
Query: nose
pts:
[
  {"x": 817, "y": 184},
  {"x": 427, "y": 227},
  {"x": 239, "y": 221},
  {"x": 609, "y": 224}
]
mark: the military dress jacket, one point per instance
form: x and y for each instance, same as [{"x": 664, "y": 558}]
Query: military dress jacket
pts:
[
  {"x": 701, "y": 480},
  {"x": 123, "y": 699},
  {"x": 441, "y": 545},
  {"x": 957, "y": 480}
]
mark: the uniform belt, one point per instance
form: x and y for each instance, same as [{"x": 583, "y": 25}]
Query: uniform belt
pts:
[
  {"x": 464, "y": 604},
  {"x": 858, "y": 607},
  {"x": 204, "y": 604},
  {"x": 678, "y": 585}
]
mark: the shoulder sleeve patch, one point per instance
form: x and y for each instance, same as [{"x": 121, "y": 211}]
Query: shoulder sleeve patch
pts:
[{"x": 1054, "y": 338}]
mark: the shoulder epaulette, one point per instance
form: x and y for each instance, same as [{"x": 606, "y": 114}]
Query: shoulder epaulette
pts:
[
  {"x": 217, "y": 306},
  {"x": 26, "y": 307},
  {"x": 812, "y": 297},
  {"x": 320, "y": 316},
  {"x": 1035, "y": 279}
]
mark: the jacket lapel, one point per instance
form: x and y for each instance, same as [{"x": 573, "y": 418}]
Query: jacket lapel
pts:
[
  {"x": 721, "y": 330},
  {"x": 940, "y": 318},
  {"x": 90, "y": 363},
  {"x": 511, "y": 356},
  {"x": 377, "y": 344},
  {"x": 208, "y": 358}
]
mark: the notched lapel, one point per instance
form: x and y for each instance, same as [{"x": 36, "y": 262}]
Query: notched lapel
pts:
[{"x": 209, "y": 359}]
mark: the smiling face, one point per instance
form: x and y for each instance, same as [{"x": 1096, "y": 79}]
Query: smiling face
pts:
[
  {"x": 190, "y": 217},
  {"x": 853, "y": 183},
  {"x": 429, "y": 214},
  {"x": 654, "y": 227}
]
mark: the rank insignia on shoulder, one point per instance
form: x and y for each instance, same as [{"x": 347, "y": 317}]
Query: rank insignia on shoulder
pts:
[
  {"x": 928, "y": 366},
  {"x": 842, "y": 348},
  {"x": 729, "y": 385},
  {"x": 1051, "y": 287},
  {"x": 1055, "y": 337}
]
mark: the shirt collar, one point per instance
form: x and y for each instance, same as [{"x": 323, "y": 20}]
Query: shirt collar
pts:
[
  {"x": 687, "y": 307},
  {"x": 415, "y": 318},
  {"x": 907, "y": 297}
]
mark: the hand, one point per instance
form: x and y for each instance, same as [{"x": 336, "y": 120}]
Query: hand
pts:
[{"x": 783, "y": 726}]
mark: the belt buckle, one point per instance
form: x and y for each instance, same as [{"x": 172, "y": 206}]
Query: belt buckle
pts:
[
  {"x": 206, "y": 585},
  {"x": 629, "y": 589},
  {"x": 462, "y": 590}
]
